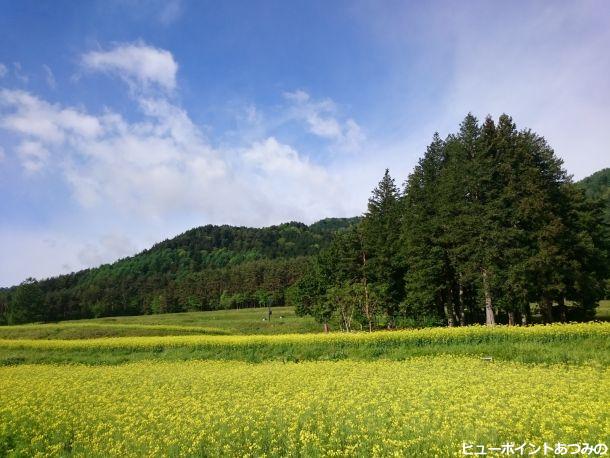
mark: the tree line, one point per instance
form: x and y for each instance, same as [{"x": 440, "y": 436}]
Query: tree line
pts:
[
  {"x": 488, "y": 228},
  {"x": 206, "y": 268}
]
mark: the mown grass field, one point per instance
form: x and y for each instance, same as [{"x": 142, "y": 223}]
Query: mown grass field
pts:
[
  {"x": 210, "y": 384},
  {"x": 244, "y": 321}
]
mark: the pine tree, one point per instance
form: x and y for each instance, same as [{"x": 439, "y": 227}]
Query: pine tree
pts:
[
  {"x": 380, "y": 230},
  {"x": 426, "y": 282}
]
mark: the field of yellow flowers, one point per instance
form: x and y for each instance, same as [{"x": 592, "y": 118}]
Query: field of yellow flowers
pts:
[{"x": 420, "y": 406}]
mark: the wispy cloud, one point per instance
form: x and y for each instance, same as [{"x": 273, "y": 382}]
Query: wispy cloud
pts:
[
  {"x": 34, "y": 118},
  {"x": 33, "y": 155},
  {"x": 49, "y": 76},
  {"x": 110, "y": 247},
  {"x": 19, "y": 74},
  {"x": 138, "y": 64},
  {"x": 544, "y": 64},
  {"x": 163, "y": 164},
  {"x": 323, "y": 121}
]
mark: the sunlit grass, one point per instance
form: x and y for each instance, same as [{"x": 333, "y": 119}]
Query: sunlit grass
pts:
[{"x": 243, "y": 321}]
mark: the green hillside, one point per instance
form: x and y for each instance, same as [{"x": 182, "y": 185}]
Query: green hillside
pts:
[
  {"x": 597, "y": 186},
  {"x": 205, "y": 268}
]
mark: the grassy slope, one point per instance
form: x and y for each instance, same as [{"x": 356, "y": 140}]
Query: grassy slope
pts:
[{"x": 245, "y": 321}]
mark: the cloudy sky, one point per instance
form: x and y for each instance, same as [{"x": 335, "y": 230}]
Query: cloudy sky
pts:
[{"x": 125, "y": 122}]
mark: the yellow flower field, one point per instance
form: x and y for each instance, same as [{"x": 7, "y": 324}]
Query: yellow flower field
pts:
[
  {"x": 470, "y": 334},
  {"x": 425, "y": 406}
]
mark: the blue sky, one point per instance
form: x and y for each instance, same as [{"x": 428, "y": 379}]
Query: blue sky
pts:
[{"x": 124, "y": 122}]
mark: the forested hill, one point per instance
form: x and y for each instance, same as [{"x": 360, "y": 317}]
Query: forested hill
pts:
[
  {"x": 597, "y": 186},
  {"x": 228, "y": 245},
  {"x": 204, "y": 268}
]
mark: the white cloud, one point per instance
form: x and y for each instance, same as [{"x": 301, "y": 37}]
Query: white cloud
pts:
[
  {"x": 34, "y": 118},
  {"x": 160, "y": 171},
  {"x": 322, "y": 120},
  {"x": 49, "y": 76},
  {"x": 163, "y": 165},
  {"x": 43, "y": 252},
  {"x": 324, "y": 127},
  {"x": 298, "y": 96},
  {"x": 137, "y": 64},
  {"x": 3, "y": 70},
  {"x": 33, "y": 156},
  {"x": 109, "y": 248},
  {"x": 2, "y": 154},
  {"x": 272, "y": 157},
  {"x": 288, "y": 186},
  {"x": 31, "y": 254}
]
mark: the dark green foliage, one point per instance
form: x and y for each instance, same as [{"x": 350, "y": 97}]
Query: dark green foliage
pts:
[
  {"x": 206, "y": 268},
  {"x": 26, "y": 304},
  {"x": 358, "y": 278},
  {"x": 489, "y": 223},
  {"x": 506, "y": 227},
  {"x": 597, "y": 187},
  {"x": 381, "y": 243}
]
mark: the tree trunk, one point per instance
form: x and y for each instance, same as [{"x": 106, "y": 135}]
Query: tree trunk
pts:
[
  {"x": 546, "y": 309},
  {"x": 489, "y": 311},
  {"x": 525, "y": 316},
  {"x": 391, "y": 321},
  {"x": 461, "y": 303},
  {"x": 326, "y": 327},
  {"x": 511, "y": 318},
  {"x": 346, "y": 317},
  {"x": 367, "y": 308},
  {"x": 449, "y": 309},
  {"x": 518, "y": 318},
  {"x": 563, "y": 310}
]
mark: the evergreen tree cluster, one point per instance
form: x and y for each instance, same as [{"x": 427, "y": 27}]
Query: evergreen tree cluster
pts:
[
  {"x": 488, "y": 228},
  {"x": 205, "y": 268}
]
